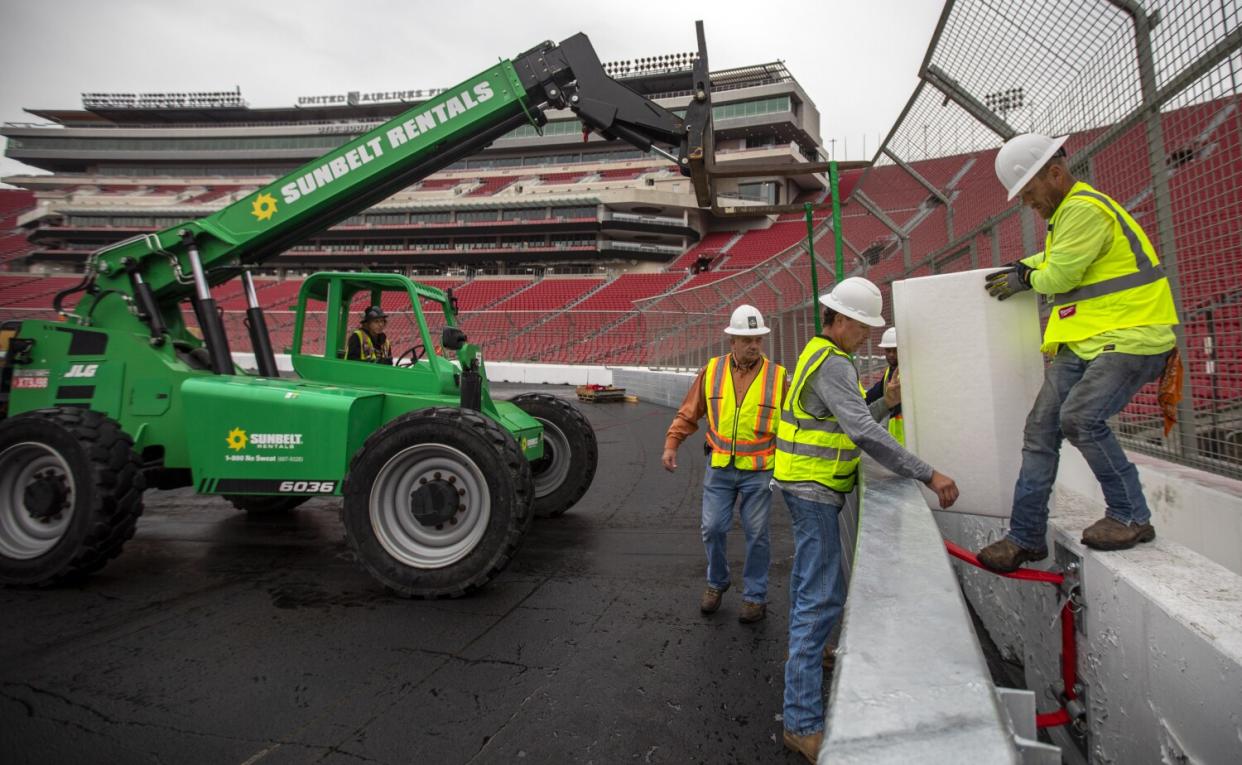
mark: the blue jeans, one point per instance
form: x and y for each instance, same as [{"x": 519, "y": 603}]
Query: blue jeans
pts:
[
  {"x": 722, "y": 489},
  {"x": 816, "y": 597},
  {"x": 1075, "y": 403}
]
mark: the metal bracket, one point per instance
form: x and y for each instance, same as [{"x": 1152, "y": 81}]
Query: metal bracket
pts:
[
  {"x": 1019, "y": 706},
  {"x": 1071, "y": 589}
]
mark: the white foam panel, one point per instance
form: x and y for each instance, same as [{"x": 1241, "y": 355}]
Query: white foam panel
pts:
[{"x": 970, "y": 371}]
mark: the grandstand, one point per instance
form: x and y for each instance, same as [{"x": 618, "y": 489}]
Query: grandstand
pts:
[
  {"x": 549, "y": 243},
  {"x": 539, "y": 234}
]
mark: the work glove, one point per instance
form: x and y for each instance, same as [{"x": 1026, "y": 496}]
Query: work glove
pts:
[{"x": 1009, "y": 281}]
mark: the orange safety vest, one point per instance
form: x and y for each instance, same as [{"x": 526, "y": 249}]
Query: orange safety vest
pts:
[{"x": 742, "y": 432}]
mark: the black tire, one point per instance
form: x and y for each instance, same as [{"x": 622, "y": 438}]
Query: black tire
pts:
[
  {"x": 264, "y": 505},
  {"x": 443, "y": 462},
  {"x": 70, "y": 494},
  {"x": 571, "y": 453}
]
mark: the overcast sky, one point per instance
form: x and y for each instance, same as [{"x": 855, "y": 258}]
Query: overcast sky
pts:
[{"x": 857, "y": 61}]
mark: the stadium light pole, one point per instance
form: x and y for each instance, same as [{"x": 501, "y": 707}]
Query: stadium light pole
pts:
[
  {"x": 834, "y": 188},
  {"x": 810, "y": 249}
]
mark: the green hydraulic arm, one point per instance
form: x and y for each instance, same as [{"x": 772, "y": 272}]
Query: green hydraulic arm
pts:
[{"x": 139, "y": 283}]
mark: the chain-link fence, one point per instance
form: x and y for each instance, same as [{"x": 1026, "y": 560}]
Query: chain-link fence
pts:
[
  {"x": 1149, "y": 97},
  {"x": 1150, "y": 100}
]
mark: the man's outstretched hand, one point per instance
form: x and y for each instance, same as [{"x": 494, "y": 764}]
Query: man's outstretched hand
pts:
[{"x": 944, "y": 487}]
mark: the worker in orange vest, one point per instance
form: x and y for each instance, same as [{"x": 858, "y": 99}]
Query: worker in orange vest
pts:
[{"x": 741, "y": 394}]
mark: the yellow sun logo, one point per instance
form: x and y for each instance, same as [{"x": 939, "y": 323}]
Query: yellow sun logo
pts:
[
  {"x": 237, "y": 439},
  {"x": 264, "y": 206}
]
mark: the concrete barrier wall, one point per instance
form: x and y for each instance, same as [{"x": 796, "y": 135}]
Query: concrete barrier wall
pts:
[
  {"x": 1200, "y": 510},
  {"x": 548, "y": 374},
  {"x": 911, "y": 683},
  {"x": 1160, "y": 646},
  {"x": 663, "y": 388},
  {"x": 497, "y": 371}
]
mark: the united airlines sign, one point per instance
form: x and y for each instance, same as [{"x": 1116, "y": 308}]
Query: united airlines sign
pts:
[{"x": 355, "y": 97}]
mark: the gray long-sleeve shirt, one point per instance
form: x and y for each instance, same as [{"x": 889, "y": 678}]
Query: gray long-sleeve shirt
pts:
[{"x": 833, "y": 389}]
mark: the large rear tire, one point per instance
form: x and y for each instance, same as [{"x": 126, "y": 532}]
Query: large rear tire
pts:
[
  {"x": 570, "y": 453},
  {"x": 436, "y": 502},
  {"x": 70, "y": 494}
]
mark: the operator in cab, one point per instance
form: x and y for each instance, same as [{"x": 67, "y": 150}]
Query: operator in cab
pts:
[{"x": 369, "y": 343}]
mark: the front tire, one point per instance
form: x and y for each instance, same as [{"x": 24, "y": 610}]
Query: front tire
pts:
[
  {"x": 571, "y": 453},
  {"x": 436, "y": 502},
  {"x": 70, "y": 494}
]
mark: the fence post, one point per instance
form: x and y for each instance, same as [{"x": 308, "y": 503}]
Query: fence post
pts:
[
  {"x": 1186, "y": 430},
  {"x": 810, "y": 248}
]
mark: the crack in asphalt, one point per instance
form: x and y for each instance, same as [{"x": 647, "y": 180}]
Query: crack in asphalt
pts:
[
  {"x": 475, "y": 662},
  {"x": 489, "y": 739}
]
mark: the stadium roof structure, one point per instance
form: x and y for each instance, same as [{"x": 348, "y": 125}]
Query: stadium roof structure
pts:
[{"x": 657, "y": 84}]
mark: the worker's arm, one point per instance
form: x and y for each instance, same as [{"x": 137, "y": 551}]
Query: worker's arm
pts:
[
  {"x": 836, "y": 385},
  {"x": 1082, "y": 234},
  {"x": 876, "y": 391},
  {"x": 876, "y": 402},
  {"x": 685, "y": 422}
]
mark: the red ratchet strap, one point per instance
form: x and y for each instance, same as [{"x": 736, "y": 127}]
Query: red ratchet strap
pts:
[{"x": 1069, "y": 647}]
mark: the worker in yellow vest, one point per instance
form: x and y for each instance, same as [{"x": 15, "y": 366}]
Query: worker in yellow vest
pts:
[
  {"x": 825, "y": 426},
  {"x": 888, "y": 388},
  {"x": 1110, "y": 332},
  {"x": 368, "y": 342},
  {"x": 741, "y": 394}
]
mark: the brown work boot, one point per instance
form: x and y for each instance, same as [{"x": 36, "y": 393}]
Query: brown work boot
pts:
[
  {"x": 752, "y": 612},
  {"x": 711, "y": 599},
  {"x": 1006, "y": 557},
  {"x": 1110, "y": 534},
  {"x": 807, "y": 746}
]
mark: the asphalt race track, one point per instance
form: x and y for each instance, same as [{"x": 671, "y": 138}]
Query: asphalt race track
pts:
[{"x": 221, "y": 638}]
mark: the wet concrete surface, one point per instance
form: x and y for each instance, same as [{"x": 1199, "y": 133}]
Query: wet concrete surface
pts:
[{"x": 222, "y": 638}]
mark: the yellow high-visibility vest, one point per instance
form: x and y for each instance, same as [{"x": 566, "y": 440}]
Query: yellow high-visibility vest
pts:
[
  {"x": 367, "y": 350},
  {"x": 742, "y": 432},
  {"x": 896, "y": 425},
  {"x": 1124, "y": 286},
  {"x": 810, "y": 448}
]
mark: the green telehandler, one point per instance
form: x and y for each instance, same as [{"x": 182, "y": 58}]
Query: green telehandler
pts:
[{"x": 438, "y": 480}]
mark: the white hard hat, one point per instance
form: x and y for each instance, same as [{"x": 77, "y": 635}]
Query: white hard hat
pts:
[
  {"x": 1022, "y": 157},
  {"x": 856, "y": 298},
  {"x": 746, "y": 321},
  {"x": 889, "y": 338}
]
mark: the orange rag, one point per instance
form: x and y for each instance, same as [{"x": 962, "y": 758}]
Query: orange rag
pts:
[{"x": 1170, "y": 390}]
